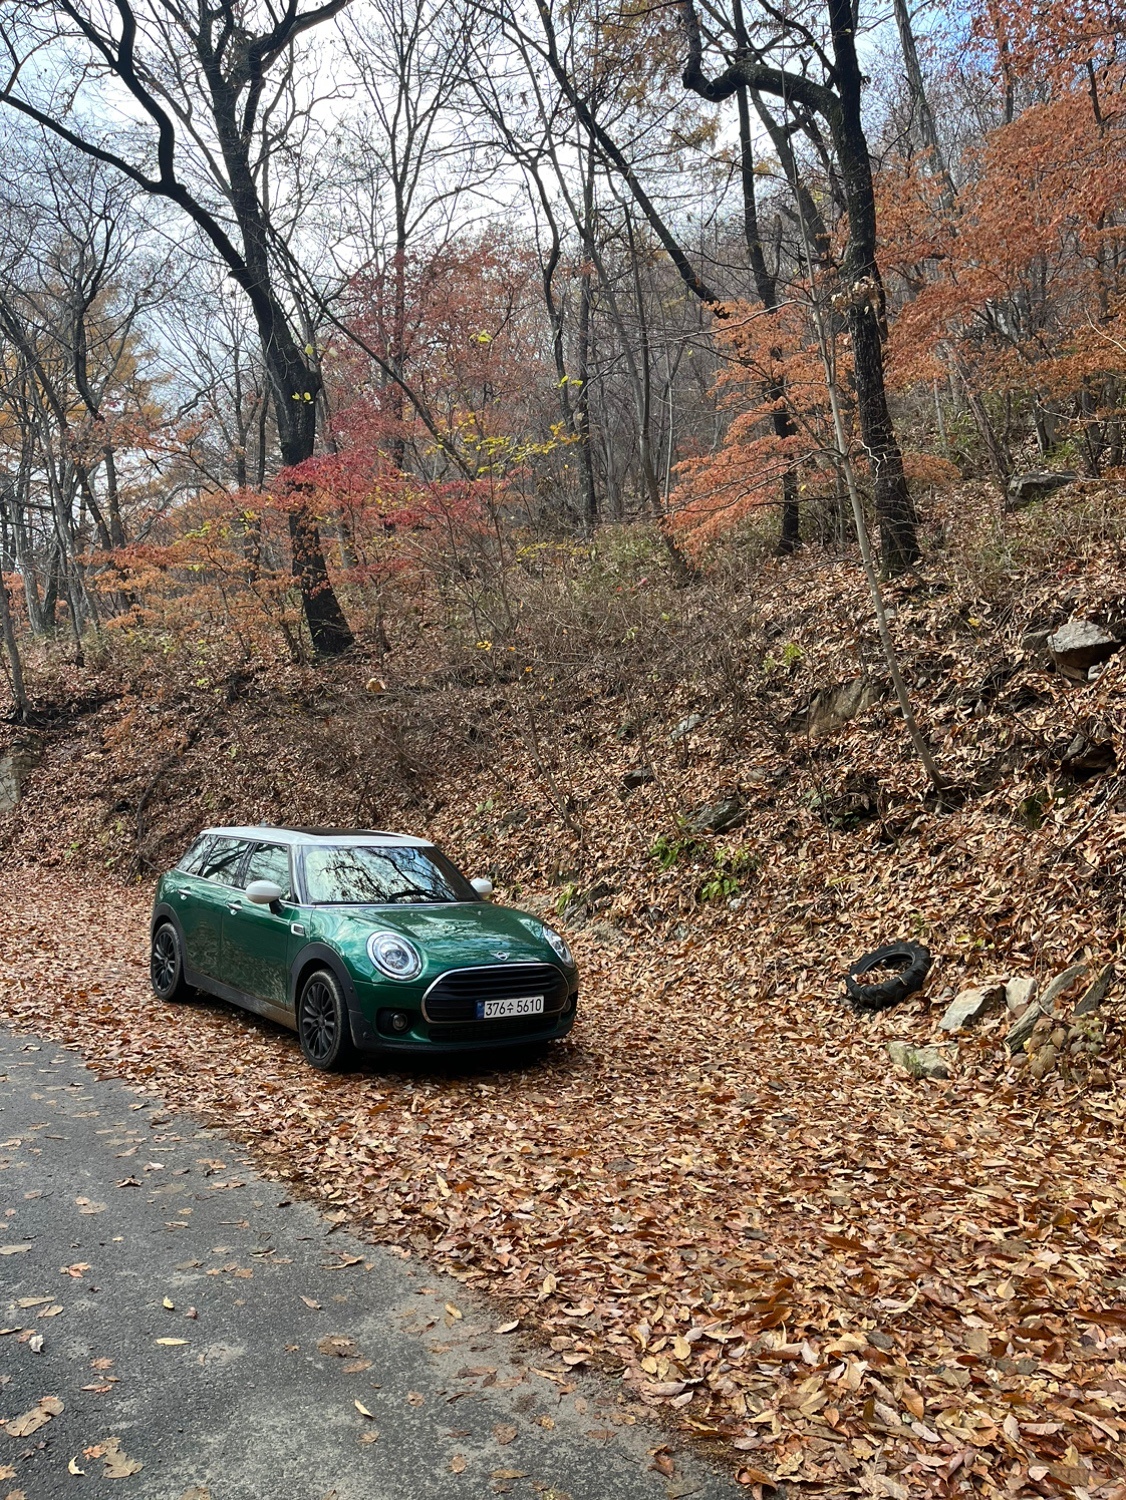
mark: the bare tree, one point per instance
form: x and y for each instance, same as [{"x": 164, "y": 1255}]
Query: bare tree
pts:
[
  {"x": 749, "y": 59},
  {"x": 205, "y": 81}
]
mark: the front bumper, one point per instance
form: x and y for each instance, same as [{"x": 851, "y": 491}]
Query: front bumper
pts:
[{"x": 465, "y": 1037}]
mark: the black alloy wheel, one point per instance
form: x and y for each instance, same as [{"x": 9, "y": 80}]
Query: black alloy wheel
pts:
[
  {"x": 322, "y": 1023},
  {"x": 166, "y": 964}
]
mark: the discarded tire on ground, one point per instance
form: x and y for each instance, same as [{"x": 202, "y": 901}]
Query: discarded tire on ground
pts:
[{"x": 913, "y": 963}]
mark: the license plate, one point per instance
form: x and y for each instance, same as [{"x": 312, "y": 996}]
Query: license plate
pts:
[{"x": 520, "y": 1005}]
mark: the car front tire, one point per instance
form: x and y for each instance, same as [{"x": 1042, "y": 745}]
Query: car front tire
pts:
[
  {"x": 322, "y": 1023},
  {"x": 166, "y": 965}
]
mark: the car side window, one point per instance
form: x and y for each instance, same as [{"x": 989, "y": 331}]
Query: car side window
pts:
[
  {"x": 223, "y": 861},
  {"x": 193, "y": 859},
  {"x": 269, "y": 862}
]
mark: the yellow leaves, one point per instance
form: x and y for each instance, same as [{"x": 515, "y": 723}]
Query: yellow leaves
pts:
[
  {"x": 458, "y": 1464},
  {"x": 362, "y": 1409},
  {"x": 170, "y": 1343}
]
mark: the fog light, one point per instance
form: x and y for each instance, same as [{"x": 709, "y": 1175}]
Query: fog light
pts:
[
  {"x": 400, "y": 1021},
  {"x": 397, "y": 1022}
]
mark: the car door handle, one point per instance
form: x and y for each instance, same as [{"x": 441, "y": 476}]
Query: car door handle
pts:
[{"x": 234, "y": 910}]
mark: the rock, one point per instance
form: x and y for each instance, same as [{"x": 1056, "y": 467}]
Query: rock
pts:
[
  {"x": 834, "y": 706},
  {"x": 1019, "y": 993},
  {"x": 639, "y": 776},
  {"x": 15, "y": 767},
  {"x": 1078, "y": 645},
  {"x": 972, "y": 1005},
  {"x": 920, "y": 1062},
  {"x": 1023, "y": 489},
  {"x": 1059, "y": 984},
  {"x": 685, "y": 727},
  {"x": 1095, "y": 993},
  {"x": 717, "y": 817},
  {"x": 1084, "y": 757},
  {"x": 1021, "y": 1030}
]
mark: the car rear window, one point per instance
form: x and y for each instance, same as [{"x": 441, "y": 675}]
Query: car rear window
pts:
[{"x": 378, "y": 875}]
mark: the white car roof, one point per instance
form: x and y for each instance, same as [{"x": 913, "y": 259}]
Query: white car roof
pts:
[{"x": 352, "y": 837}]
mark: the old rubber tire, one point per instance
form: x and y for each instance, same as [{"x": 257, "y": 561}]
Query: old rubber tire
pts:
[
  {"x": 323, "y": 1028},
  {"x": 911, "y": 959},
  {"x": 166, "y": 965}
]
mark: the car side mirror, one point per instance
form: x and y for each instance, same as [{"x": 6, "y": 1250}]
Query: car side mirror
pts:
[
  {"x": 264, "y": 893},
  {"x": 484, "y": 887}
]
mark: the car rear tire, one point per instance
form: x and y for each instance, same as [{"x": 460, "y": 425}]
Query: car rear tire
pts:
[
  {"x": 166, "y": 965},
  {"x": 322, "y": 1023}
]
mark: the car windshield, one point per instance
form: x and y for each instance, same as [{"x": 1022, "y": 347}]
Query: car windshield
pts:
[{"x": 379, "y": 875}]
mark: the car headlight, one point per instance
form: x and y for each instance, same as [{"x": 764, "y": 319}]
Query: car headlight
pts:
[
  {"x": 394, "y": 955},
  {"x": 560, "y": 946}
]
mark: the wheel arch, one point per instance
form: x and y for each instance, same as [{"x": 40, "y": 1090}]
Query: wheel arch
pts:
[
  {"x": 163, "y": 913},
  {"x": 320, "y": 956}
]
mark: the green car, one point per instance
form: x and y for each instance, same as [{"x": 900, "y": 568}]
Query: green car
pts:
[{"x": 359, "y": 942}]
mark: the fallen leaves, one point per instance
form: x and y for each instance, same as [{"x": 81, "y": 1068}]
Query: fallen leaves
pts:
[
  {"x": 170, "y": 1342},
  {"x": 116, "y": 1463},
  {"x": 337, "y": 1345},
  {"x": 31, "y": 1421},
  {"x": 504, "y": 1433},
  {"x": 717, "y": 1190},
  {"x": 458, "y": 1464},
  {"x": 14, "y": 1249},
  {"x": 362, "y": 1409}
]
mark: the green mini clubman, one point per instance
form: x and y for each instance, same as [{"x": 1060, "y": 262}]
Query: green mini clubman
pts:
[{"x": 358, "y": 941}]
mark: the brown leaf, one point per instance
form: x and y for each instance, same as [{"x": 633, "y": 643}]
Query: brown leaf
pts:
[
  {"x": 116, "y": 1463},
  {"x": 504, "y": 1432}
]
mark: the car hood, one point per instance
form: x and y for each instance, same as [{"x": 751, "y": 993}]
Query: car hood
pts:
[{"x": 465, "y": 934}]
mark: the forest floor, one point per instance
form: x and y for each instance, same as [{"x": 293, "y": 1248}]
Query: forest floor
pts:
[{"x": 719, "y": 1189}]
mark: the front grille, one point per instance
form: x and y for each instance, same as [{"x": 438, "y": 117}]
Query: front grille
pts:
[
  {"x": 454, "y": 996},
  {"x": 494, "y": 1031}
]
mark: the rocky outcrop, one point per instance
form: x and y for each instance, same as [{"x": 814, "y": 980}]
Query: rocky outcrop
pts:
[
  {"x": 717, "y": 817},
  {"x": 972, "y": 1005},
  {"x": 920, "y": 1062},
  {"x": 1023, "y": 489},
  {"x": 837, "y": 705},
  {"x": 1080, "y": 644},
  {"x": 15, "y": 767}
]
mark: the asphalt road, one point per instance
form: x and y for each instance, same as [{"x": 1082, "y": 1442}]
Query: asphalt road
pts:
[{"x": 172, "y": 1328}]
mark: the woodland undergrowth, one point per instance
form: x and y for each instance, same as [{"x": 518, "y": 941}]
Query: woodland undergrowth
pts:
[{"x": 719, "y": 1189}]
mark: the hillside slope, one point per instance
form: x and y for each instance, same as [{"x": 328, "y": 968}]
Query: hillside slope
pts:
[{"x": 721, "y": 1186}]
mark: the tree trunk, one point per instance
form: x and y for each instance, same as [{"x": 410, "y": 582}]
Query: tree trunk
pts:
[
  {"x": 789, "y": 537},
  {"x": 11, "y": 646},
  {"x": 895, "y": 510}
]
